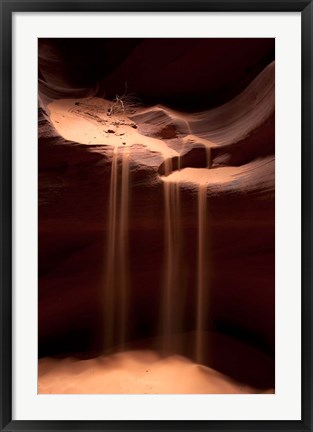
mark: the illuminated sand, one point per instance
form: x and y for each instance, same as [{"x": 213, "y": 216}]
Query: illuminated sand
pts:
[
  {"x": 247, "y": 176},
  {"x": 133, "y": 372},
  {"x": 226, "y": 124},
  {"x": 86, "y": 121}
]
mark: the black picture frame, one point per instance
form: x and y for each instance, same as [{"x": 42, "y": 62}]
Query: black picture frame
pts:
[{"x": 7, "y": 9}]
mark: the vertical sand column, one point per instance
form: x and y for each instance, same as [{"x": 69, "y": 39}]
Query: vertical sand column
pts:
[
  {"x": 123, "y": 244},
  {"x": 202, "y": 276},
  {"x": 208, "y": 157},
  {"x": 201, "y": 349}
]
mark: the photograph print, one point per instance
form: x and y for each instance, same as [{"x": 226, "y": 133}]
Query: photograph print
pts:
[{"x": 156, "y": 216}]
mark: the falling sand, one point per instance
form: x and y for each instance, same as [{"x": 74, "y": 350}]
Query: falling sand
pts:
[
  {"x": 86, "y": 121},
  {"x": 117, "y": 272},
  {"x": 172, "y": 308}
]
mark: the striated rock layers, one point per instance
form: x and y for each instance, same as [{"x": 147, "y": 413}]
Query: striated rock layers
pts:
[{"x": 229, "y": 148}]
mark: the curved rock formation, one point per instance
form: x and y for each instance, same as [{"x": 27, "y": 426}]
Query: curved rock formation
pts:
[{"x": 229, "y": 149}]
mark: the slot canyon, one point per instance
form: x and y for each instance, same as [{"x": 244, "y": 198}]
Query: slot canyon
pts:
[{"x": 156, "y": 216}]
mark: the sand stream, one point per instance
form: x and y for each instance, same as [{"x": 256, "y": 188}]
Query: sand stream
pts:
[{"x": 117, "y": 265}]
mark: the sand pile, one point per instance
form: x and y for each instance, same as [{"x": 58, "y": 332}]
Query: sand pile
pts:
[{"x": 133, "y": 372}]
